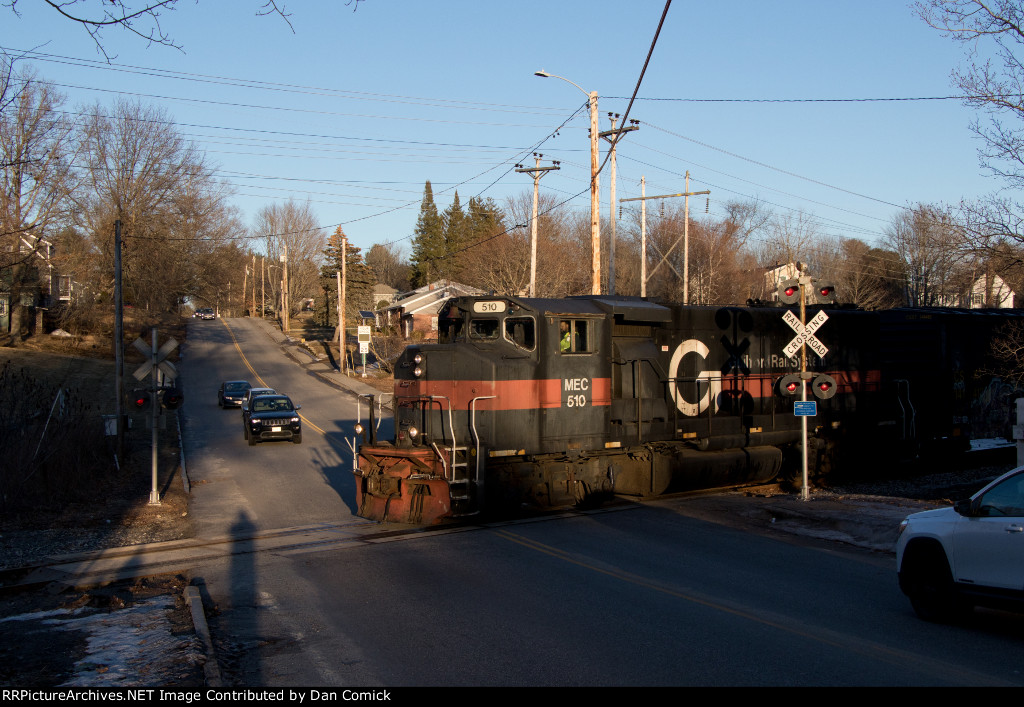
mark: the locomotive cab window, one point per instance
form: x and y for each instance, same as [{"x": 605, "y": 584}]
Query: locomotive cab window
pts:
[
  {"x": 573, "y": 336},
  {"x": 521, "y": 332},
  {"x": 486, "y": 329},
  {"x": 449, "y": 330}
]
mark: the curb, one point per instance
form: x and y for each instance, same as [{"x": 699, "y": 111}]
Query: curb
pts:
[{"x": 195, "y": 604}]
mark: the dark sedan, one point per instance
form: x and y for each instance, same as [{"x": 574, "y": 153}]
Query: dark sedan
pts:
[
  {"x": 273, "y": 417},
  {"x": 231, "y": 393}
]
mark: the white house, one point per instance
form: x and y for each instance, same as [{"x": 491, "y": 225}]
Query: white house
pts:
[{"x": 416, "y": 311}]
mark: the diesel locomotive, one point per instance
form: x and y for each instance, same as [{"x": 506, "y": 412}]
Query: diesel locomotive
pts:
[{"x": 546, "y": 403}]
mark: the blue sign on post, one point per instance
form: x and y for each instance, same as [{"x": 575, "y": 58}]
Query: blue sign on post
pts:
[{"x": 805, "y": 408}]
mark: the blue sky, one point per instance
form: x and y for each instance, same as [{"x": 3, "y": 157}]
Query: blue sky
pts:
[{"x": 357, "y": 110}]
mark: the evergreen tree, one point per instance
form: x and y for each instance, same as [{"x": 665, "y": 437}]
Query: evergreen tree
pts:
[
  {"x": 456, "y": 238},
  {"x": 483, "y": 220},
  {"x": 428, "y": 245},
  {"x": 359, "y": 282}
]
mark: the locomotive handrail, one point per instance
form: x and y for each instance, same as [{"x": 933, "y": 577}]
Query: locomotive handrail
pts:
[
  {"x": 476, "y": 437},
  {"x": 451, "y": 427},
  {"x": 444, "y": 464},
  {"x": 713, "y": 382}
]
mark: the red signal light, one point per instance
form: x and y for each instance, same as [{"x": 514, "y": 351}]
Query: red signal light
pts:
[
  {"x": 824, "y": 386},
  {"x": 139, "y": 399}
]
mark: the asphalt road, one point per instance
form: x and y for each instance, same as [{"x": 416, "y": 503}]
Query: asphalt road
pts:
[{"x": 274, "y": 484}]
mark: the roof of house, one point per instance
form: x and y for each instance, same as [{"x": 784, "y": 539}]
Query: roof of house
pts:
[{"x": 430, "y": 298}]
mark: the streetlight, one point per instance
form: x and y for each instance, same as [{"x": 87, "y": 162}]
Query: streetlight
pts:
[{"x": 595, "y": 217}]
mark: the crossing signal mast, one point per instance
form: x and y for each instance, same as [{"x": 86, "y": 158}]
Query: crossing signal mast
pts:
[{"x": 793, "y": 291}]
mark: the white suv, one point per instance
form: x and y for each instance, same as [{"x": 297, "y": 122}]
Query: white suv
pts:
[{"x": 951, "y": 559}]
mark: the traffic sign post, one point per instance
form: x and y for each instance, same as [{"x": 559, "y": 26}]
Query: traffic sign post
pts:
[{"x": 363, "y": 336}]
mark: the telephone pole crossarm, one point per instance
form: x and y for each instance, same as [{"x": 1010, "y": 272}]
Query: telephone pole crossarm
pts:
[
  {"x": 536, "y": 172},
  {"x": 613, "y": 137}
]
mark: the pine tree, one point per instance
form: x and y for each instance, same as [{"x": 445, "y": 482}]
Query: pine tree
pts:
[
  {"x": 359, "y": 282},
  {"x": 483, "y": 220},
  {"x": 428, "y": 245},
  {"x": 456, "y": 238}
]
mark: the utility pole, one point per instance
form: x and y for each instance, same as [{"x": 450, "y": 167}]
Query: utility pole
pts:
[
  {"x": 643, "y": 236},
  {"x": 536, "y": 172},
  {"x": 342, "y": 284},
  {"x": 664, "y": 258},
  {"x": 613, "y": 136},
  {"x": 118, "y": 340},
  {"x": 252, "y": 311},
  {"x": 284, "y": 287},
  {"x": 263, "y": 286},
  {"x": 686, "y": 242}
]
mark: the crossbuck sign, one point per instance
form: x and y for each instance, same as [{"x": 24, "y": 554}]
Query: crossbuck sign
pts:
[{"x": 805, "y": 334}]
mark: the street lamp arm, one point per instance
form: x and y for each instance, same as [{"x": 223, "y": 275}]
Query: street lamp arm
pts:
[
  {"x": 595, "y": 219},
  {"x": 546, "y": 75}
]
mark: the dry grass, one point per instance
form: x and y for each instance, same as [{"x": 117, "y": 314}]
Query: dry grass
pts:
[{"x": 61, "y": 471}]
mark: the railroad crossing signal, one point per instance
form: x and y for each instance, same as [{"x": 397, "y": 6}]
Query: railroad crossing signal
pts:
[
  {"x": 805, "y": 334},
  {"x": 156, "y": 360}
]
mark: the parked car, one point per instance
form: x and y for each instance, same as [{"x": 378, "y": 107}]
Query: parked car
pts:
[
  {"x": 249, "y": 395},
  {"x": 949, "y": 560},
  {"x": 231, "y": 393},
  {"x": 273, "y": 417}
]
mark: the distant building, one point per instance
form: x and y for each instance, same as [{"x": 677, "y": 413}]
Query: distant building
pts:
[
  {"x": 40, "y": 289},
  {"x": 416, "y": 311},
  {"x": 384, "y": 293},
  {"x": 1001, "y": 296},
  {"x": 776, "y": 276},
  {"x": 986, "y": 292}
]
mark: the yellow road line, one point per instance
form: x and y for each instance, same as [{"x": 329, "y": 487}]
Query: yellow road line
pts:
[{"x": 262, "y": 382}]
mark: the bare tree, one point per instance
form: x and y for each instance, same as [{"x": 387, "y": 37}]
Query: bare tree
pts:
[
  {"x": 562, "y": 250},
  {"x": 291, "y": 230},
  {"x": 389, "y": 264},
  {"x": 993, "y": 87},
  {"x": 37, "y": 149},
  {"x": 926, "y": 241},
  {"x": 789, "y": 238},
  {"x": 141, "y": 19},
  {"x": 139, "y": 167}
]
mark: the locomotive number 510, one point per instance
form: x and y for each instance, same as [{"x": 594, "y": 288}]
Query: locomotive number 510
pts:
[{"x": 576, "y": 392}]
